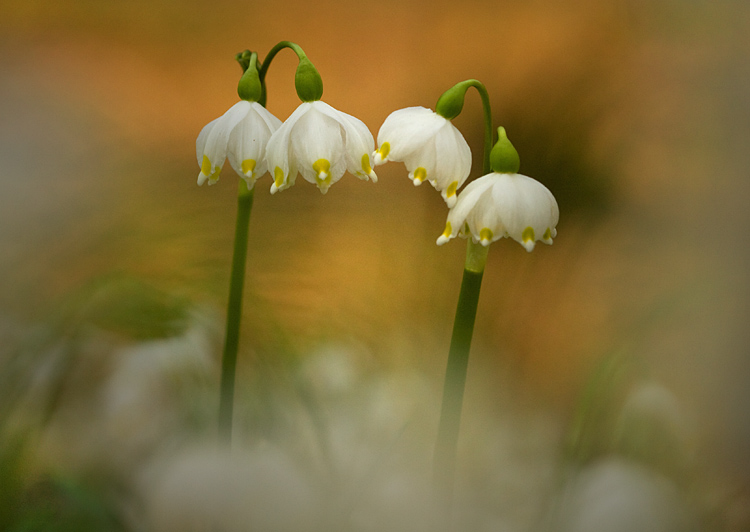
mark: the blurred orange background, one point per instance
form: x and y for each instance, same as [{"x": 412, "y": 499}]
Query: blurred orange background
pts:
[{"x": 635, "y": 115}]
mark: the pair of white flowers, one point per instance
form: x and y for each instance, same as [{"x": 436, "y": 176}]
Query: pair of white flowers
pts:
[
  {"x": 322, "y": 143},
  {"x": 500, "y": 204},
  {"x": 317, "y": 141}
]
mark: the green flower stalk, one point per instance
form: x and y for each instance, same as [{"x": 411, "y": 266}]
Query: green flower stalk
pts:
[
  {"x": 240, "y": 135},
  {"x": 500, "y": 204}
]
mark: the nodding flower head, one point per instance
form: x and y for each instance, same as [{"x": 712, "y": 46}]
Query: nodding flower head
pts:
[
  {"x": 430, "y": 146},
  {"x": 503, "y": 204},
  {"x": 321, "y": 143},
  {"x": 241, "y": 135}
]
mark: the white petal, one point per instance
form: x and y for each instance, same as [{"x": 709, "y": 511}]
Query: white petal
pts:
[
  {"x": 318, "y": 137},
  {"x": 469, "y": 197},
  {"x": 407, "y": 130},
  {"x": 279, "y": 153},
  {"x": 214, "y": 142},
  {"x": 248, "y": 141},
  {"x": 358, "y": 142},
  {"x": 200, "y": 142},
  {"x": 218, "y": 138}
]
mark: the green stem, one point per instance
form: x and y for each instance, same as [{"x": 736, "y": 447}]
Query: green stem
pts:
[
  {"x": 234, "y": 311},
  {"x": 297, "y": 49},
  {"x": 455, "y": 375},
  {"x": 451, "y": 102},
  {"x": 444, "y": 464}
]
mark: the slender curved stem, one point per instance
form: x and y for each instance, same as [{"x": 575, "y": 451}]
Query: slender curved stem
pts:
[
  {"x": 234, "y": 311},
  {"x": 267, "y": 63},
  {"x": 444, "y": 463},
  {"x": 455, "y": 375},
  {"x": 488, "y": 129}
]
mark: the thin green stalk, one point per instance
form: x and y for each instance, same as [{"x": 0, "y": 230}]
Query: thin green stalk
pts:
[
  {"x": 234, "y": 311},
  {"x": 455, "y": 375},
  {"x": 444, "y": 462}
]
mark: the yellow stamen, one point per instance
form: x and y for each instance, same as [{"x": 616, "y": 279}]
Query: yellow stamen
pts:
[
  {"x": 528, "y": 234},
  {"x": 278, "y": 177},
  {"x": 451, "y": 191},
  {"x": 486, "y": 234},
  {"x": 366, "y": 168},
  {"x": 448, "y": 230},
  {"x": 248, "y": 166},
  {"x": 384, "y": 150},
  {"x": 420, "y": 174}
]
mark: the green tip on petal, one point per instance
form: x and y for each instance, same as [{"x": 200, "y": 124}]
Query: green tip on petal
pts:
[
  {"x": 308, "y": 82},
  {"x": 504, "y": 158}
]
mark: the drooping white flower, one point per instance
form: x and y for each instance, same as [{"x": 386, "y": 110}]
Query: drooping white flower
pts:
[
  {"x": 321, "y": 143},
  {"x": 241, "y": 135},
  {"x": 430, "y": 146},
  {"x": 501, "y": 205}
]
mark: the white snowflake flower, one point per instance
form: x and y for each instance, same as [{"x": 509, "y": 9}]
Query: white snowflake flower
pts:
[
  {"x": 241, "y": 135},
  {"x": 321, "y": 143},
  {"x": 501, "y": 205},
  {"x": 430, "y": 146}
]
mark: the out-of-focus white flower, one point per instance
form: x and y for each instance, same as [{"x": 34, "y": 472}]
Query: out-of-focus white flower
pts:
[
  {"x": 321, "y": 143},
  {"x": 430, "y": 146},
  {"x": 241, "y": 134},
  {"x": 501, "y": 205}
]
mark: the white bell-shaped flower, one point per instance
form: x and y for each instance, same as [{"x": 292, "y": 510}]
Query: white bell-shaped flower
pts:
[
  {"x": 241, "y": 135},
  {"x": 501, "y": 205},
  {"x": 430, "y": 146},
  {"x": 321, "y": 143}
]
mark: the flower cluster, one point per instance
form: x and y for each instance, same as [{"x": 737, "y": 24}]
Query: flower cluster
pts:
[
  {"x": 322, "y": 143},
  {"x": 317, "y": 140},
  {"x": 500, "y": 204}
]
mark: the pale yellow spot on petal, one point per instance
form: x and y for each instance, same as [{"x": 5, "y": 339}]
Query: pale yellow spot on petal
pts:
[
  {"x": 486, "y": 234},
  {"x": 366, "y": 168},
  {"x": 206, "y": 166},
  {"x": 248, "y": 166},
  {"x": 420, "y": 174},
  {"x": 451, "y": 191},
  {"x": 322, "y": 167},
  {"x": 547, "y": 234},
  {"x": 528, "y": 234},
  {"x": 448, "y": 230},
  {"x": 278, "y": 177},
  {"x": 384, "y": 150}
]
